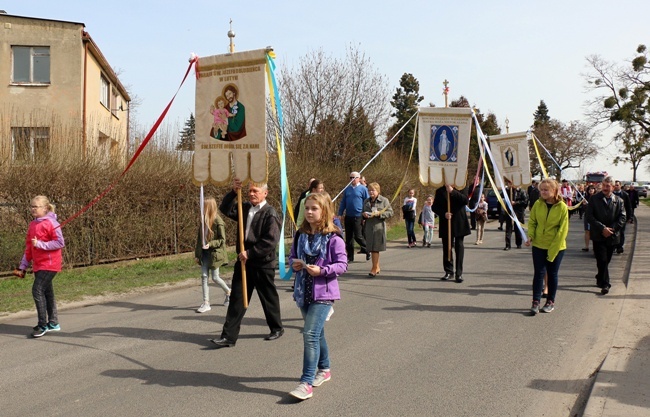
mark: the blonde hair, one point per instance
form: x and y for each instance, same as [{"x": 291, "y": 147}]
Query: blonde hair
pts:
[
  {"x": 555, "y": 189},
  {"x": 210, "y": 214},
  {"x": 326, "y": 223},
  {"x": 45, "y": 202},
  {"x": 374, "y": 186}
]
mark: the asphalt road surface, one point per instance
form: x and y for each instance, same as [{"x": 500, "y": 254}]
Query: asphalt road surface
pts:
[{"x": 402, "y": 344}]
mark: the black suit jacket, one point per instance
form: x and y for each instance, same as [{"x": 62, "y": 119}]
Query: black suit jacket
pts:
[
  {"x": 458, "y": 201},
  {"x": 600, "y": 214},
  {"x": 263, "y": 236}
]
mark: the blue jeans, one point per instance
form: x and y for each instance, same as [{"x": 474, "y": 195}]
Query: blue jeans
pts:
[
  {"x": 410, "y": 233},
  {"x": 542, "y": 267},
  {"x": 316, "y": 353}
]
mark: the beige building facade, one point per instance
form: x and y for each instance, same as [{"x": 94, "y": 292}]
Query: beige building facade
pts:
[{"x": 58, "y": 94}]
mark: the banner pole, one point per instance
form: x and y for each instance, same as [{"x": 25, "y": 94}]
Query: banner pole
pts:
[
  {"x": 444, "y": 179},
  {"x": 240, "y": 224}
]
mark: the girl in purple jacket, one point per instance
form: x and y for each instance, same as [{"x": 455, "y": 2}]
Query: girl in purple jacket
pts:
[{"x": 318, "y": 256}]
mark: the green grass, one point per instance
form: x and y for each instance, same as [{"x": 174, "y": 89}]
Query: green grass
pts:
[{"x": 122, "y": 277}]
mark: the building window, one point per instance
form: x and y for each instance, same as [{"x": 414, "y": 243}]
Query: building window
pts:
[
  {"x": 29, "y": 144},
  {"x": 104, "y": 93},
  {"x": 116, "y": 103},
  {"x": 31, "y": 64}
]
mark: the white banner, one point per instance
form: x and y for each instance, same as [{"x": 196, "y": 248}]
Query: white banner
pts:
[
  {"x": 230, "y": 118},
  {"x": 444, "y": 134},
  {"x": 510, "y": 152}
]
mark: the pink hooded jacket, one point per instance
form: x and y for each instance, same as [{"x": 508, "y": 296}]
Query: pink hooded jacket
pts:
[{"x": 46, "y": 256}]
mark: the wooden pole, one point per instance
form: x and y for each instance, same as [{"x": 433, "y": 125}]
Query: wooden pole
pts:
[
  {"x": 240, "y": 223},
  {"x": 448, "y": 220}
]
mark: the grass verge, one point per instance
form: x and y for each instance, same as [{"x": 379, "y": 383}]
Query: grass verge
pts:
[{"x": 73, "y": 285}]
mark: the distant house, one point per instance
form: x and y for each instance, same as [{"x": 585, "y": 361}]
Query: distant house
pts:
[{"x": 58, "y": 93}]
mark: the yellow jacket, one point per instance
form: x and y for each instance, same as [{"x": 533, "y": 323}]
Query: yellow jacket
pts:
[{"x": 548, "y": 229}]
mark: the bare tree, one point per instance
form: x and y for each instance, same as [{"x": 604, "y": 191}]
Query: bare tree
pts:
[{"x": 334, "y": 109}]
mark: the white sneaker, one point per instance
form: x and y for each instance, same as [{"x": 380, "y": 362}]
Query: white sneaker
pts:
[
  {"x": 322, "y": 376},
  {"x": 303, "y": 391},
  {"x": 226, "y": 301},
  {"x": 204, "y": 307}
]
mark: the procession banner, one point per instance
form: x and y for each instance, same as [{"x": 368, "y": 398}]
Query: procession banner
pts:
[
  {"x": 511, "y": 157},
  {"x": 231, "y": 118},
  {"x": 444, "y": 135}
]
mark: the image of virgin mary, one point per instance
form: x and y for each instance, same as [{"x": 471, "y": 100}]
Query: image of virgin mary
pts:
[{"x": 442, "y": 144}]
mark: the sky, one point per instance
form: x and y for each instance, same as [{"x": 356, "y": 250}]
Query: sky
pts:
[{"x": 504, "y": 56}]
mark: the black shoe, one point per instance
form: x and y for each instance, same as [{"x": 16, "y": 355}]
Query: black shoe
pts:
[
  {"x": 499, "y": 228},
  {"x": 506, "y": 248},
  {"x": 446, "y": 277},
  {"x": 223, "y": 342},
  {"x": 459, "y": 279},
  {"x": 518, "y": 246},
  {"x": 368, "y": 256},
  {"x": 605, "y": 289},
  {"x": 274, "y": 335},
  {"x": 619, "y": 250}
]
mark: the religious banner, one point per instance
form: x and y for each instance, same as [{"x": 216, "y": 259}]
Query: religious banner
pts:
[
  {"x": 444, "y": 134},
  {"x": 511, "y": 157},
  {"x": 230, "y": 118}
]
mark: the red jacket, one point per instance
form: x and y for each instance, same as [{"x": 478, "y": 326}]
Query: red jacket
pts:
[{"x": 46, "y": 255}]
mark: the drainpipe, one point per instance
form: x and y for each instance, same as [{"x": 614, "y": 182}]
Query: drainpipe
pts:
[{"x": 83, "y": 122}]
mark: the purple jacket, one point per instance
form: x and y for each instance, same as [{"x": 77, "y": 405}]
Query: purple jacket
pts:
[{"x": 326, "y": 286}]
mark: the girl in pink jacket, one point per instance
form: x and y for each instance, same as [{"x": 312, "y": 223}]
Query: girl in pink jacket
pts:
[{"x": 43, "y": 250}]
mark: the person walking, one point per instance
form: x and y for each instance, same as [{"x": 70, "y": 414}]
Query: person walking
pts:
[
  {"x": 376, "y": 209},
  {"x": 481, "y": 217},
  {"x": 519, "y": 200},
  {"x": 43, "y": 246},
  {"x": 629, "y": 214},
  {"x": 352, "y": 205},
  {"x": 261, "y": 236},
  {"x": 428, "y": 220},
  {"x": 210, "y": 252},
  {"x": 457, "y": 217},
  {"x": 318, "y": 258},
  {"x": 409, "y": 213},
  {"x": 548, "y": 228},
  {"x": 606, "y": 217}
]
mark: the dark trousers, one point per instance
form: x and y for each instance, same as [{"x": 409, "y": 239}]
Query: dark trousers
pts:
[
  {"x": 43, "y": 293},
  {"x": 459, "y": 248},
  {"x": 262, "y": 280},
  {"x": 603, "y": 254},
  {"x": 353, "y": 232},
  {"x": 509, "y": 226},
  {"x": 410, "y": 232},
  {"x": 543, "y": 267},
  {"x": 621, "y": 241}
]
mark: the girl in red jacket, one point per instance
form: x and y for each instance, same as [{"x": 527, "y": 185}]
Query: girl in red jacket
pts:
[{"x": 43, "y": 250}]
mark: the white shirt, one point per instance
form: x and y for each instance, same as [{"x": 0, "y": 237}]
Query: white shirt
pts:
[{"x": 251, "y": 213}]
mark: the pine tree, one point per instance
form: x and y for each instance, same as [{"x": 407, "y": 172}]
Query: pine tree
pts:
[
  {"x": 541, "y": 115},
  {"x": 188, "y": 135},
  {"x": 405, "y": 101}
]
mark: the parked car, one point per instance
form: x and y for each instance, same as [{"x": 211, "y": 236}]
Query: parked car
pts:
[
  {"x": 493, "y": 203},
  {"x": 642, "y": 190}
]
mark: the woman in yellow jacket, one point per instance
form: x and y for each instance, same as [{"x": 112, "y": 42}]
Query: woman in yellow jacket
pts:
[{"x": 547, "y": 231}]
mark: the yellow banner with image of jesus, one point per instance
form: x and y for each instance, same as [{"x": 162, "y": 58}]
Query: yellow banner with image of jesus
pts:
[
  {"x": 230, "y": 114},
  {"x": 510, "y": 152}
]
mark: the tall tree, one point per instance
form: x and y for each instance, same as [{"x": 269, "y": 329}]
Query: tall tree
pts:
[
  {"x": 187, "y": 135},
  {"x": 405, "y": 102},
  {"x": 622, "y": 98},
  {"x": 328, "y": 106},
  {"x": 541, "y": 114}
]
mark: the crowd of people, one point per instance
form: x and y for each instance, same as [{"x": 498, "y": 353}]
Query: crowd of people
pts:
[{"x": 323, "y": 246}]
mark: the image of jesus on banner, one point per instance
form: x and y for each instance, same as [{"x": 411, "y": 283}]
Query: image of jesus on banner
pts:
[{"x": 443, "y": 143}]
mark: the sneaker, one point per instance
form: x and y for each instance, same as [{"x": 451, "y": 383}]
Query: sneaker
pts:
[
  {"x": 548, "y": 307},
  {"x": 51, "y": 327},
  {"x": 534, "y": 309},
  {"x": 329, "y": 314},
  {"x": 39, "y": 331},
  {"x": 303, "y": 391},
  {"x": 204, "y": 307},
  {"x": 226, "y": 300},
  {"x": 323, "y": 375}
]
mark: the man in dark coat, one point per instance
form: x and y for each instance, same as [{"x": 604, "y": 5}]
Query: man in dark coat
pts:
[
  {"x": 457, "y": 216},
  {"x": 519, "y": 199},
  {"x": 261, "y": 236},
  {"x": 533, "y": 194},
  {"x": 629, "y": 213},
  {"x": 606, "y": 217}
]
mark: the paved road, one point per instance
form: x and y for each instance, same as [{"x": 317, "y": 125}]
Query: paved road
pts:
[{"x": 403, "y": 343}]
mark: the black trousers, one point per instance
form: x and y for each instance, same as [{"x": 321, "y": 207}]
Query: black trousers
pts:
[
  {"x": 262, "y": 280},
  {"x": 459, "y": 247},
  {"x": 519, "y": 239},
  {"x": 43, "y": 293},
  {"x": 353, "y": 232},
  {"x": 603, "y": 254}
]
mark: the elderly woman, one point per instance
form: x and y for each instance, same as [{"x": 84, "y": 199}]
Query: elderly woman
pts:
[{"x": 376, "y": 210}]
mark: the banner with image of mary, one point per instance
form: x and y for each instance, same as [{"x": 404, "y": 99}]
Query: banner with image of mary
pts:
[
  {"x": 511, "y": 157},
  {"x": 230, "y": 118},
  {"x": 444, "y": 135}
]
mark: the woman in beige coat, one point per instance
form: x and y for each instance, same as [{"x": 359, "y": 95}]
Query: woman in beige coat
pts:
[{"x": 376, "y": 210}]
